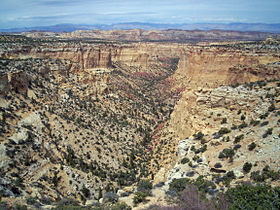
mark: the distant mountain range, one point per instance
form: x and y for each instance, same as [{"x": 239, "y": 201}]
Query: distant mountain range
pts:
[{"x": 260, "y": 27}]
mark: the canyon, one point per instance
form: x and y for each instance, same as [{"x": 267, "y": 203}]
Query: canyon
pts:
[{"x": 88, "y": 113}]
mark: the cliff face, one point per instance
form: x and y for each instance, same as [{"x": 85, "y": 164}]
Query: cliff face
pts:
[
  {"x": 215, "y": 66},
  {"x": 86, "y": 56},
  {"x": 97, "y": 55},
  {"x": 202, "y": 68},
  {"x": 212, "y": 67}
]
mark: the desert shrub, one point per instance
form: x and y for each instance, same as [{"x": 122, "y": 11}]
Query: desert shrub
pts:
[
  {"x": 195, "y": 158},
  {"x": 237, "y": 139},
  {"x": 237, "y": 146},
  {"x": 178, "y": 185},
  {"x": 68, "y": 204},
  {"x": 243, "y": 125},
  {"x": 203, "y": 185},
  {"x": 19, "y": 183},
  {"x": 223, "y": 131},
  {"x": 203, "y": 141},
  {"x": 254, "y": 122},
  {"x": 227, "y": 153},
  {"x": 193, "y": 148},
  {"x": 85, "y": 191},
  {"x": 145, "y": 186},
  {"x": 110, "y": 197},
  {"x": 31, "y": 200},
  {"x": 252, "y": 146},
  {"x": 243, "y": 117},
  {"x": 266, "y": 173},
  {"x": 228, "y": 177},
  {"x": 264, "y": 123},
  {"x": 268, "y": 132},
  {"x": 139, "y": 197},
  {"x": 224, "y": 120},
  {"x": 271, "y": 108},
  {"x": 265, "y": 115},
  {"x": 120, "y": 206},
  {"x": 247, "y": 167},
  {"x": 199, "y": 135},
  {"x": 185, "y": 160},
  {"x": 203, "y": 148},
  {"x": 67, "y": 201},
  {"x": 257, "y": 176},
  {"x": 233, "y": 127},
  {"x": 19, "y": 207},
  {"x": 218, "y": 165}
]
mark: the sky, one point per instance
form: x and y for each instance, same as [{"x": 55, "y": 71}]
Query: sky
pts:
[{"x": 29, "y": 13}]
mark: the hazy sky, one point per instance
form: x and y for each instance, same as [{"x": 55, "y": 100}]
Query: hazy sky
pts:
[{"x": 26, "y": 13}]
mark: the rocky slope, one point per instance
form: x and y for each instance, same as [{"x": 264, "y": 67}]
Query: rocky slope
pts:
[{"x": 80, "y": 118}]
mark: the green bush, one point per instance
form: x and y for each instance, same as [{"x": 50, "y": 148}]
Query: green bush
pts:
[
  {"x": 203, "y": 185},
  {"x": 268, "y": 132},
  {"x": 254, "y": 122},
  {"x": 265, "y": 115},
  {"x": 85, "y": 191},
  {"x": 110, "y": 197},
  {"x": 31, "y": 200},
  {"x": 243, "y": 125},
  {"x": 271, "y": 108},
  {"x": 254, "y": 197},
  {"x": 227, "y": 153},
  {"x": 252, "y": 146},
  {"x": 203, "y": 148},
  {"x": 237, "y": 139},
  {"x": 257, "y": 176},
  {"x": 145, "y": 186},
  {"x": 67, "y": 201},
  {"x": 179, "y": 185},
  {"x": 19, "y": 207},
  {"x": 223, "y": 131},
  {"x": 247, "y": 167},
  {"x": 228, "y": 178},
  {"x": 139, "y": 197},
  {"x": 199, "y": 135},
  {"x": 121, "y": 206},
  {"x": 224, "y": 120},
  {"x": 185, "y": 160}
]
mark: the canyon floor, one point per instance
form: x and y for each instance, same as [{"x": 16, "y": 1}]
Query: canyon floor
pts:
[{"x": 120, "y": 120}]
